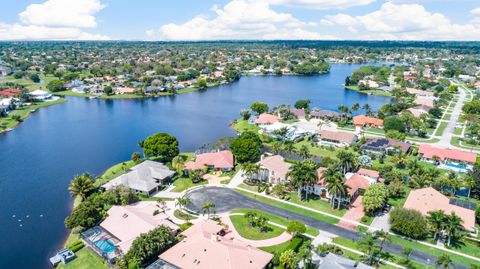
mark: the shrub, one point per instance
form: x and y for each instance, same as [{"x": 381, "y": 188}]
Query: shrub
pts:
[
  {"x": 408, "y": 222},
  {"x": 76, "y": 246},
  {"x": 185, "y": 226}
]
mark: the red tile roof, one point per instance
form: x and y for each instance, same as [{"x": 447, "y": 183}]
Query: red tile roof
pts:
[
  {"x": 266, "y": 119},
  {"x": 221, "y": 159},
  {"x": 320, "y": 179},
  {"x": 368, "y": 173},
  {"x": 299, "y": 113},
  {"x": 356, "y": 182},
  {"x": 429, "y": 151},
  {"x": 10, "y": 92},
  {"x": 362, "y": 120}
]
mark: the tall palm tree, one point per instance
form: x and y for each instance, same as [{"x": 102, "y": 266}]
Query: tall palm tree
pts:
[
  {"x": 301, "y": 174},
  {"x": 368, "y": 109},
  {"x": 183, "y": 202},
  {"x": 288, "y": 145},
  {"x": 207, "y": 207},
  {"x": 304, "y": 151},
  {"x": 355, "y": 107},
  {"x": 369, "y": 244},
  {"x": 384, "y": 237},
  {"x": 81, "y": 185},
  {"x": 343, "y": 110},
  {"x": 400, "y": 159},
  {"x": 453, "y": 227},
  {"x": 444, "y": 261},
  {"x": 276, "y": 147},
  {"x": 468, "y": 181},
  {"x": 347, "y": 160},
  {"x": 336, "y": 187},
  {"x": 436, "y": 221},
  {"x": 250, "y": 169}
]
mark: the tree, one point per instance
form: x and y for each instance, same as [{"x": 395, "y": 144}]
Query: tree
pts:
[
  {"x": 259, "y": 107},
  {"x": 304, "y": 151},
  {"x": 336, "y": 186},
  {"x": 81, "y": 185},
  {"x": 183, "y": 202},
  {"x": 384, "y": 237},
  {"x": 453, "y": 227},
  {"x": 55, "y": 85},
  {"x": 408, "y": 222},
  {"x": 162, "y": 145},
  {"x": 247, "y": 147},
  {"x": 207, "y": 207},
  {"x": 444, "y": 261},
  {"x": 394, "y": 134},
  {"x": 347, "y": 160},
  {"x": 178, "y": 163},
  {"x": 136, "y": 156},
  {"x": 108, "y": 90},
  {"x": 295, "y": 228},
  {"x": 35, "y": 78},
  {"x": 374, "y": 197},
  {"x": 436, "y": 221},
  {"x": 250, "y": 169},
  {"x": 394, "y": 123},
  {"x": 245, "y": 113},
  {"x": 288, "y": 259},
  {"x": 301, "y": 174},
  {"x": 202, "y": 84},
  {"x": 303, "y": 104},
  {"x": 369, "y": 244}
]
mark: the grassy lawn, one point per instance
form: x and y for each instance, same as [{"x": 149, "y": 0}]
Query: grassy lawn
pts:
[
  {"x": 424, "y": 140},
  {"x": 400, "y": 201},
  {"x": 441, "y": 128},
  {"x": 294, "y": 244},
  {"x": 86, "y": 259},
  {"x": 183, "y": 183},
  {"x": 457, "y": 131},
  {"x": 446, "y": 117},
  {"x": 248, "y": 187},
  {"x": 291, "y": 208},
  {"x": 114, "y": 171},
  {"x": 71, "y": 93},
  {"x": 278, "y": 220},
  {"x": 315, "y": 203},
  {"x": 24, "y": 112},
  {"x": 246, "y": 231},
  {"x": 241, "y": 126},
  {"x": 180, "y": 215},
  {"x": 374, "y": 92},
  {"x": 456, "y": 142},
  {"x": 316, "y": 150},
  {"x": 375, "y": 131}
]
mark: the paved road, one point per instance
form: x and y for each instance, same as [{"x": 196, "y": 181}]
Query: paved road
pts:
[
  {"x": 457, "y": 110},
  {"x": 226, "y": 200}
]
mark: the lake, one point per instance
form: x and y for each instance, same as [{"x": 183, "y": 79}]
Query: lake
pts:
[{"x": 42, "y": 155}]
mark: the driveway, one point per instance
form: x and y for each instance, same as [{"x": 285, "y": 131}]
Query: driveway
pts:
[
  {"x": 227, "y": 199},
  {"x": 354, "y": 213}
]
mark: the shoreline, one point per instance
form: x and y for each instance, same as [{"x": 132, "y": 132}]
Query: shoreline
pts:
[{"x": 368, "y": 92}]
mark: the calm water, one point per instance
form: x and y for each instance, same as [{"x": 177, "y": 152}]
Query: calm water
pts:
[{"x": 39, "y": 158}]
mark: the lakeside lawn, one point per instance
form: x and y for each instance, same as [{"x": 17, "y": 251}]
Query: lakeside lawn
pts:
[
  {"x": 113, "y": 172},
  {"x": 373, "y": 92},
  {"x": 242, "y": 125},
  {"x": 86, "y": 259},
  {"x": 254, "y": 233},
  {"x": 316, "y": 150},
  {"x": 275, "y": 219}
]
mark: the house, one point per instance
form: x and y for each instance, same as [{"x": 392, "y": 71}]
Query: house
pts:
[
  {"x": 369, "y": 83},
  {"x": 448, "y": 158},
  {"x": 115, "y": 234},
  {"x": 333, "y": 261},
  {"x": 380, "y": 146},
  {"x": 428, "y": 199},
  {"x": 361, "y": 121},
  {"x": 145, "y": 177},
  {"x": 336, "y": 138},
  {"x": 5, "y": 70},
  {"x": 124, "y": 90},
  {"x": 325, "y": 114},
  {"x": 274, "y": 169},
  {"x": 11, "y": 92},
  {"x": 220, "y": 161},
  {"x": 207, "y": 245},
  {"x": 40, "y": 95},
  {"x": 266, "y": 119},
  {"x": 417, "y": 111},
  {"x": 426, "y": 104},
  {"x": 421, "y": 93},
  {"x": 319, "y": 188},
  {"x": 299, "y": 113}
]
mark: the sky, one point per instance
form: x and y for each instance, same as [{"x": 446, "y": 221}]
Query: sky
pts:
[{"x": 172, "y": 20}]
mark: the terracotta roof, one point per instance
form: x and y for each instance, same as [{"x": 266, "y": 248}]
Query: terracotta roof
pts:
[
  {"x": 277, "y": 165},
  {"x": 10, "y": 92},
  {"x": 429, "y": 151},
  {"x": 368, "y": 173},
  {"x": 299, "y": 113},
  {"x": 221, "y": 159},
  {"x": 429, "y": 199},
  {"x": 419, "y": 92},
  {"x": 266, "y": 119},
  {"x": 362, "y": 120},
  {"x": 428, "y": 103},
  {"x": 126, "y": 223},
  {"x": 356, "y": 182},
  {"x": 342, "y": 137},
  {"x": 201, "y": 249},
  {"x": 320, "y": 179}
]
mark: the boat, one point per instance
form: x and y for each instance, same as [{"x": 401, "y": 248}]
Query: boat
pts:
[{"x": 92, "y": 97}]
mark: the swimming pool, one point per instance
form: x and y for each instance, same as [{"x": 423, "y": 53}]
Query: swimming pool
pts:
[
  {"x": 457, "y": 166},
  {"x": 106, "y": 246}
]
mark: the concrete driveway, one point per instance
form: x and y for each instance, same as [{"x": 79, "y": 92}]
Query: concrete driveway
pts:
[{"x": 226, "y": 199}]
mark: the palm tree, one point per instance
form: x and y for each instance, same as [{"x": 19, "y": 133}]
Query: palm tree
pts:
[
  {"x": 276, "y": 147},
  {"x": 178, "y": 163},
  {"x": 444, "y": 261},
  {"x": 81, "y": 185},
  {"x": 368, "y": 109},
  {"x": 343, "y": 110},
  {"x": 453, "y": 227},
  {"x": 347, "y": 160},
  {"x": 400, "y": 159},
  {"x": 304, "y": 151},
  {"x": 468, "y": 181},
  {"x": 301, "y": 174},
  {"x": 336, "y": 187},
  {"x": 368, "y": 243},
  {"x": 288, "y": 145},
  {"x": 250, "y": 169},
  {"x": 207, "y": 207},
  {"x": 384, "y": 238},
  {"x": 183, "y": 202},
  {"x": 355, "y": 107},
  {"x": 436, "y": 220}
]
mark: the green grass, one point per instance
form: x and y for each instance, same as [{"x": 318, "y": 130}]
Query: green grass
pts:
[
  {"x": 457, "y": 131},
  {"x": 375, "y": 131},
  {"x": 399, "y": 201},
  {"x": 183, "y": 216},
  {"x": 71, "y": 93},
  {"x": 315, "y": 203},
  {"x": 291, "y": 208},
  {"x": 113, "y": 172},
  {"x": 294, "y": 244},
  {"x": 441, "y": 128},
  {"x": 446, "y": 117},
  {"x": 182, "y": 183},
  {"x": 456, "y": 142},
  {"x": 278, "y": 220},
  {"x": 248, "y": 187},
  {"x": 253, "y": 233},
  {"x": 316, "y": 150},
  {"x": 86, "y": 259},
  {"x": 24, "y": 112},
  {"x": 374, "y": 92},
  {"x": 241, "y": 126}
]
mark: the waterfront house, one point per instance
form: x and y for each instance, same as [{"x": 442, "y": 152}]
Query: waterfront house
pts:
[
  {"x": 365, "y": 121},
  {"x": 208, "y": 245},
  {"x": 428, "y": 199},
  {"x": 299, "y": 113},
  {"x": 325, "y": 114},
  {"x": 115, "y": 234},
  {"x": 420, "y": 93},
  {"x": 452, "y": 159},
  {"x": 218, "y": 161},
  {"x": 424, "y": 103},
  {"x": 123, "y": 90},
  {"x": 40, "y": 95},
  {"x": 274, "y": 169},
  {"x": 145, "y": 177},
  {"x": 336, "y": 138},
  {"x": 266, "y": 119},
  {"x": 380, "y": 146}
]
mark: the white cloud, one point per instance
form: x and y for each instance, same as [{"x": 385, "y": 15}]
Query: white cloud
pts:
[
  {"x": 55, "y": 20},
  {"x": 475, "y": 11},
  {"x": 406, "y": 22},
  {"x": 320, "y": 4},
  {"x": 241, "y": 19}
]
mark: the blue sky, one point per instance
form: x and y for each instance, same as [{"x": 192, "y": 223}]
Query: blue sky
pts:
[{"x": 240, "y": 19}]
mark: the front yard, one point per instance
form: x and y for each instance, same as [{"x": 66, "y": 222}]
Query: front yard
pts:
[{"x": 254, "y": 233}]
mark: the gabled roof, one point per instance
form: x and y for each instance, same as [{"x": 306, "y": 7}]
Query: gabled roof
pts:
[
  {"x": 356, "y": 182},
  {"x": 428, "y": 199},
  {"x": 276, "y": 164},
  {"x": 221, "y": 159},
  {"x": 202, "y": 249},
  {"x": 126, "y": 223},
  {"x": 429, "y": 151},
  {"x": 342, "y": 137},
  {"x": 299, "y": 113},
  {"x": 362, "y": 120},
  {"x": 266, "y": 119},
  {"x": 368, "y": 173}
]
